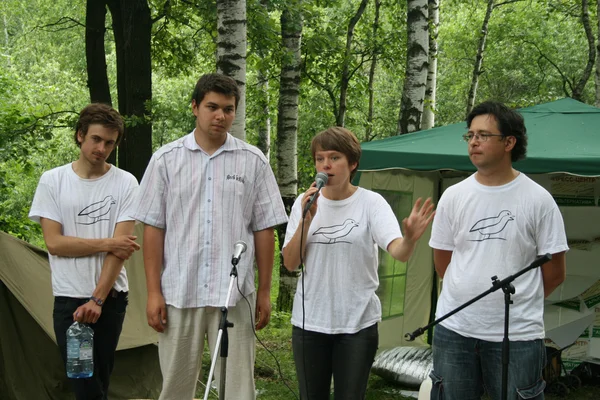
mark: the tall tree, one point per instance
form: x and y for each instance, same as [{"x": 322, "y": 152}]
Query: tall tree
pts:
[
  {"x": 578, "y": 88},
  {"x": 132, "y": 26},
  {"x": 231, "y": 53},
  {"x": 95, "y": 54},
  {"x": 415, "y": 80},
  {"x": 264, "y": 118},
  {"x": 345, "y": 79},
  {"x": 369, "y": 130},
  {"x": 428, "y": 121},
  {"x": 483, "y": 34},
  {"x": 287, "y": 134},
  {"x": 598, "y": 57},
  {"x": 574, "y": 86}
]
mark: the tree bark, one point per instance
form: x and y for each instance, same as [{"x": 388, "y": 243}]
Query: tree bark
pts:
[
  {"x": 231, "y": 53},
  {"x": 287, "y": 135},
  {"x": 428, "y": 121},
  {"x": 369, "y": 130},
  {"x": 264, "y": 119},
  {"x": 417, "y": 50},
  {"x": 346, "y": 67},
  {"x": 95, "y": 18},
  {"x": 587, "y": 72},
  {"x": 479, "y": 56},
  {"x": 598, "y": 57},
  {"x": 132, "y": 28}
]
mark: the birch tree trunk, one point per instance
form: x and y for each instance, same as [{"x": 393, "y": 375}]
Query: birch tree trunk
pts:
[
  {"x": 585, "y": 20},
  {"x": 598, "y": 57},
  {"x": 264, "y": 119},
  {"x": 287, "y": 135},
  {"x": 417, "y": 50},
  {"x": 428, "y": 121},
  {"x": 231, "y": 53},
  {"x": 346, "y": 68},
  {"x": 479, "y": 56},
  {"x": 369, "y": 130}
]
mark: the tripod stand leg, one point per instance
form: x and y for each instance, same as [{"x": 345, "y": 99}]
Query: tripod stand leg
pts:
[{"x": 222, "y": 378}]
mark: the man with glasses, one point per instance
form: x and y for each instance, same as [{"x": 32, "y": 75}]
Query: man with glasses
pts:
[{"x": 496, "y": 222}]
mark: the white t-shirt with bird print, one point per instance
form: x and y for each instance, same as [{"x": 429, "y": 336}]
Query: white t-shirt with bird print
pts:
[
  {"x": 89, "y": 209},
  {"x": 340, "y": 274},
  {"x": 495, "y": 230}
]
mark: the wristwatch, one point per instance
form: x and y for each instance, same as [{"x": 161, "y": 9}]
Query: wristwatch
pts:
[{"x": 97, "y": 301}]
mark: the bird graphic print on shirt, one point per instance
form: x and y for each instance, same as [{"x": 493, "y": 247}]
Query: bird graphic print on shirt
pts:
[
  {"x": 95, "y": 211},
  {"x": 334, "y": 233},
  {"x": 488, "y": 227}
]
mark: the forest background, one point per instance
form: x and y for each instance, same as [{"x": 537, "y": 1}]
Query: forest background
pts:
[{"x": 378, "y": 67}]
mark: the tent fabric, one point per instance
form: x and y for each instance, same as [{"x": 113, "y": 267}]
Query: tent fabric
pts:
[
  {"x": 419, "y": 281},
  {"x": 24, "y": 269},
  {"x": 30, "y": 363},
  {"x": 562, "y": 138}
]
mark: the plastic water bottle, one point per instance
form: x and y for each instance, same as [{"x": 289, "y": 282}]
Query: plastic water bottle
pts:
[{"x": 80, "y": 351}]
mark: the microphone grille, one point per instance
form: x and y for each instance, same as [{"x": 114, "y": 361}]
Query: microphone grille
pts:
[
  {"x": 243, "y": 244},
  {"x": 321, "y": 176}
]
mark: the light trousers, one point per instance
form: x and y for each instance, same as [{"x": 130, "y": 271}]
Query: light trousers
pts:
[{"x": 181, "y": 345}]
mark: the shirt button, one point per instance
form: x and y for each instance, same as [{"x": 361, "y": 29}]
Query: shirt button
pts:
[
  {"x": 208, "y": 221},
  {"x": 206, "y": 264},
  {"x": 207, "y": 242},
  {"x": 210, "y": 179},
  {"x": 205, "y": 286},
  {"x": 209, "y": 200}
]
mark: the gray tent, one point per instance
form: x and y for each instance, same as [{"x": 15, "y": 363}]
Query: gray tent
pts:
[{"x": 30, "y": 363}]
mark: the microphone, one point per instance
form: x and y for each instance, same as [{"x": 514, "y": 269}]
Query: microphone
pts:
[
  {"x": 321, "y": 180},
  {"x": 238, "y": 250}
]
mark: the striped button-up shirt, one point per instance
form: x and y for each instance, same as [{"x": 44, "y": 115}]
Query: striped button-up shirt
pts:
[{"x": 206, "y": 203}]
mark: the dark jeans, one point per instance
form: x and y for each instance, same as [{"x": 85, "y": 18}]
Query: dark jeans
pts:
[
  {"x": 346, "y": 357},
  {"x": 106, "y": 337},
  {"x": 463, "y": 367}
]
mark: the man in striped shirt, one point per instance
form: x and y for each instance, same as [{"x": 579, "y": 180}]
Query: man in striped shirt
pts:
[{"x": 200, "y": 195}]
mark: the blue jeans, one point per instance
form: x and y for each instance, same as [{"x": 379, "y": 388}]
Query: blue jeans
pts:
[
  {"x": 106, "y": 337},
  {"x": 346, "y": 357},
  {"x": 464, "y": 367}
]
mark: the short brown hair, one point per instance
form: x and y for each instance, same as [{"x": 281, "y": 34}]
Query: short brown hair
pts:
[
  {"x": 339, "y": 139},
  {"x": 101, "y": 114},
  {"x": 217, "y": 83}
]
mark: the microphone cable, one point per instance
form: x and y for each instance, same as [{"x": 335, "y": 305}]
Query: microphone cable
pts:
[
  {"x": 252, "y": 323},
  {"x": 303, "y": 270}
]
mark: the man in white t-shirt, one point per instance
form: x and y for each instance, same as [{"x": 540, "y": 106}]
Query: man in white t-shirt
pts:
[
  {"x": 85, "y": 210},
  {"x": 496, "y": 222}
]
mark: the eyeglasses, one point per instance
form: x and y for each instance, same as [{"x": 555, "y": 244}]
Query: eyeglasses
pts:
[{"x": 478, "y": 136}]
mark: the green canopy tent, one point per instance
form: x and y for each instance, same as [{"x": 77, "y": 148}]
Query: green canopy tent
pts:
[
  {"x": 563, "y": 155},
  {"x": 564, "y": 136}
]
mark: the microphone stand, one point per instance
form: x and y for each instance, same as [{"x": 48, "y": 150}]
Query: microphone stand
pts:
[
  {"x": 508, "y": 289},
  {"x": 222, "y": 339}
]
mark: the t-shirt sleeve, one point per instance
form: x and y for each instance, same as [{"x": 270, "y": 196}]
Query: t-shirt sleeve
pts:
[
  {"x": 151, "y": 196},
  {"x": 268, "y": 209},
  {"x": 130, "y": 194},
  {"x": 44, "y": 204},
  {"x": 550, "y": 233},
  {"x": 383, "y": 222},
  {"x": 441, "y": 229}
]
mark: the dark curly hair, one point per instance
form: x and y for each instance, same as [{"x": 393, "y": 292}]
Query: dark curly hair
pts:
[{"x": 510, "y": 123}]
